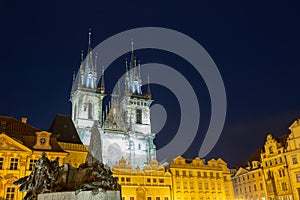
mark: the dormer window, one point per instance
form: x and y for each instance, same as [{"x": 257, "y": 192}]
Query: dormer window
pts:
[{"x": 271, "y": 149}]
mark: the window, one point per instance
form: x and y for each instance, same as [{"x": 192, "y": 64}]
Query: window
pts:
[
  {"x": 199, "y": 174},
  {"x": 185, "y": 185},
  {"x": 31, "y": 164},
  {"x": 178, "y": 185},
  {"x": 139, "y": 146},
  {"x": 206, "y": 186},
  {"x": 271, "y": 149},
  {"x": 276, "y": 161},
  {"x": 166, "y": 198},
  {"x": 266, "y": 163},
  {"x": 280, "y": 174},
  {"x": 255, "y": 189},
  {"x": 280, "y": 159},
  {"x": 192, "y": 185},
  {"x": 148, "y": 180},
  {"x": 294, "y": 159},
  {"x": 90, "y": 111},
  {"x": 157, "y": 198},
  {"x": 149, "y": 198},
  {"x": 127, "y": 179},
  {"x": 283, "y": 185},
  {"x": 199, "y": 186},
  {"x": 212, "y": 186},
  {"x": 161, "y": 180},
  {"x": 211, "y": 174},
  {"x": 217, "y": 175},
  {"x": 138, "y": 116},
  {"x": 154, "y": 180},
  {"x": 14, "y": 163},
  {"x": 190, "y": 173},
  {"x": 177, "y": 173},
  {"x": 261, "y": 186},
  {"x": 204, "y": 174},
  {"x": 123, "y": 198},
  {"x": 1, "y": 163},
  {"x": 183, "y": 173},
  {"x": 122, "y": 179},
  {"x": 131, "y": 198},
  {"x": 298, "y": 177},
  {"x": 253, "y": 175},
  {"x": 271, "y": 162},
  {"x": 10, "y": 193}
]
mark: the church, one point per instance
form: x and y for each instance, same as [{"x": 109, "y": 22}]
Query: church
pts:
[{"x": 121, "y": 129}]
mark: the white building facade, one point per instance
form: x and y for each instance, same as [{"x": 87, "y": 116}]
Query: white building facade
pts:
[{"x": 122, "y": 128}]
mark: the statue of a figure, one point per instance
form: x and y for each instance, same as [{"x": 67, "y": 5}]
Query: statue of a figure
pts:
[
  {"x": 48, "y": 176},
  {"x": 41, "y": 179}
]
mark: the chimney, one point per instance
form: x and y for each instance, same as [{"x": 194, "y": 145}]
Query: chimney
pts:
[{"x": 24, "y": 120}]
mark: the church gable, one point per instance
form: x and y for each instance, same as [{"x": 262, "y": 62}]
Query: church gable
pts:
[
  {"x": 241, "y": 171},
  {"x": 7, "y": 143}
]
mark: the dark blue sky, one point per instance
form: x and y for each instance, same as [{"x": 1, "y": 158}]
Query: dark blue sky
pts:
[{"x": 255, "y": 46}]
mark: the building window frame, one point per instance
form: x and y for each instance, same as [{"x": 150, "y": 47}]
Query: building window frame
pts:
[{"x": 14, "y": 163}]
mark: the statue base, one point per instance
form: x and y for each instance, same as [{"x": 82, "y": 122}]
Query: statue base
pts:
[{"x": 84, "y": 195}]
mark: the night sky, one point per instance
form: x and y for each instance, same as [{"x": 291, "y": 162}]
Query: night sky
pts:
[{"x": 255, "y": 46}]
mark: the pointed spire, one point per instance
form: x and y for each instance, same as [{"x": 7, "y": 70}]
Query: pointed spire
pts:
[
  {"x": 90, "y": 35},
  {"x": 102, "y": 88},
  {"x": 81, "y": 56},
  {"x": 148, "y": 88},
  {"x": 131, "y": 45}
]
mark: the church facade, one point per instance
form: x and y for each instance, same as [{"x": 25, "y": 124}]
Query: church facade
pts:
[{"x": 121, "y": 129}]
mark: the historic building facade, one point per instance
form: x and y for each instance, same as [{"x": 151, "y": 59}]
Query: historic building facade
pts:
[
  {"x": 151, "y": 183},
  {"x": 22, "y": 144},
  {"x": 195, "y": 179},
  {"x": 121, "y": 129},
  {"x": 277, "y": 165}
]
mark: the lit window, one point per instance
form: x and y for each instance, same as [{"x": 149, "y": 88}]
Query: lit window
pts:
[
  {"x": 295, "y": 160},
  {"x": 31, "y": 164},
  {"x": 271, "y": 149},
  {"x": 298, "y": 177},
  {"x": 14, "y": 163},
  {"x": 1, "y": 163},
  {"x": 139, "y": 116},
  {"x": 10, "y": 193}
]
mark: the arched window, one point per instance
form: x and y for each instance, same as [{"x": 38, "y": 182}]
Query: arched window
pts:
[{"x": 90, "y": 111}]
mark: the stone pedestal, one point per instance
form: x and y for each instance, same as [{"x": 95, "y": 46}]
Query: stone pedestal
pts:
[{"x": 84, "y": 195}]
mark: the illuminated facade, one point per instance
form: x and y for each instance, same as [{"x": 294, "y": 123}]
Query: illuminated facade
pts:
[
  {"x": 151, "y": 183},
  {"x": 249, "y": 183},
  {"x": 21, "y": 145},
  {"x": 293, "y": 158},
  {"x": 275, "y": 169},
  {"x": 195, "y": 179},
  {"x": 121, "y": 129}
]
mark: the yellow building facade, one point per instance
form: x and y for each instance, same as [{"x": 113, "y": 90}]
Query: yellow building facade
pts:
[
  {"x": 151, "y": 183},
  {"x": 22, "y": 144},
  {"x": 278, "y": 161},
  {"x": 249, "y": 183},
  {"x": 194, "y": 179},
  {"x": 293, "y": 158}
]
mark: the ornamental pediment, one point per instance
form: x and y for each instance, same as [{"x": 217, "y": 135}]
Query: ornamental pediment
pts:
[{"x": 7, "y": 143}]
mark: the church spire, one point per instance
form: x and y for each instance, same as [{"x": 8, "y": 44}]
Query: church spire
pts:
[
  {"x": 148, "y": 88},
  {"x": 102, "y": 88}
]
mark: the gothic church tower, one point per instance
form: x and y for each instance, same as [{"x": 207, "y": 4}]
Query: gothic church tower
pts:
[{"x": 86, "y": 98}]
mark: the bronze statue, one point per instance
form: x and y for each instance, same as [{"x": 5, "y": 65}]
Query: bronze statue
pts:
[{"x": 47, "y": 176}]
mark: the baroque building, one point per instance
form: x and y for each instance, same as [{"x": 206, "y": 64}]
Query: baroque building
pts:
[
  {"x": 22, "y": 144},
  {"x": 274, "y": 167},
  {"x": 195, "y": 179},
  {"x": 121, "y": 129}
]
